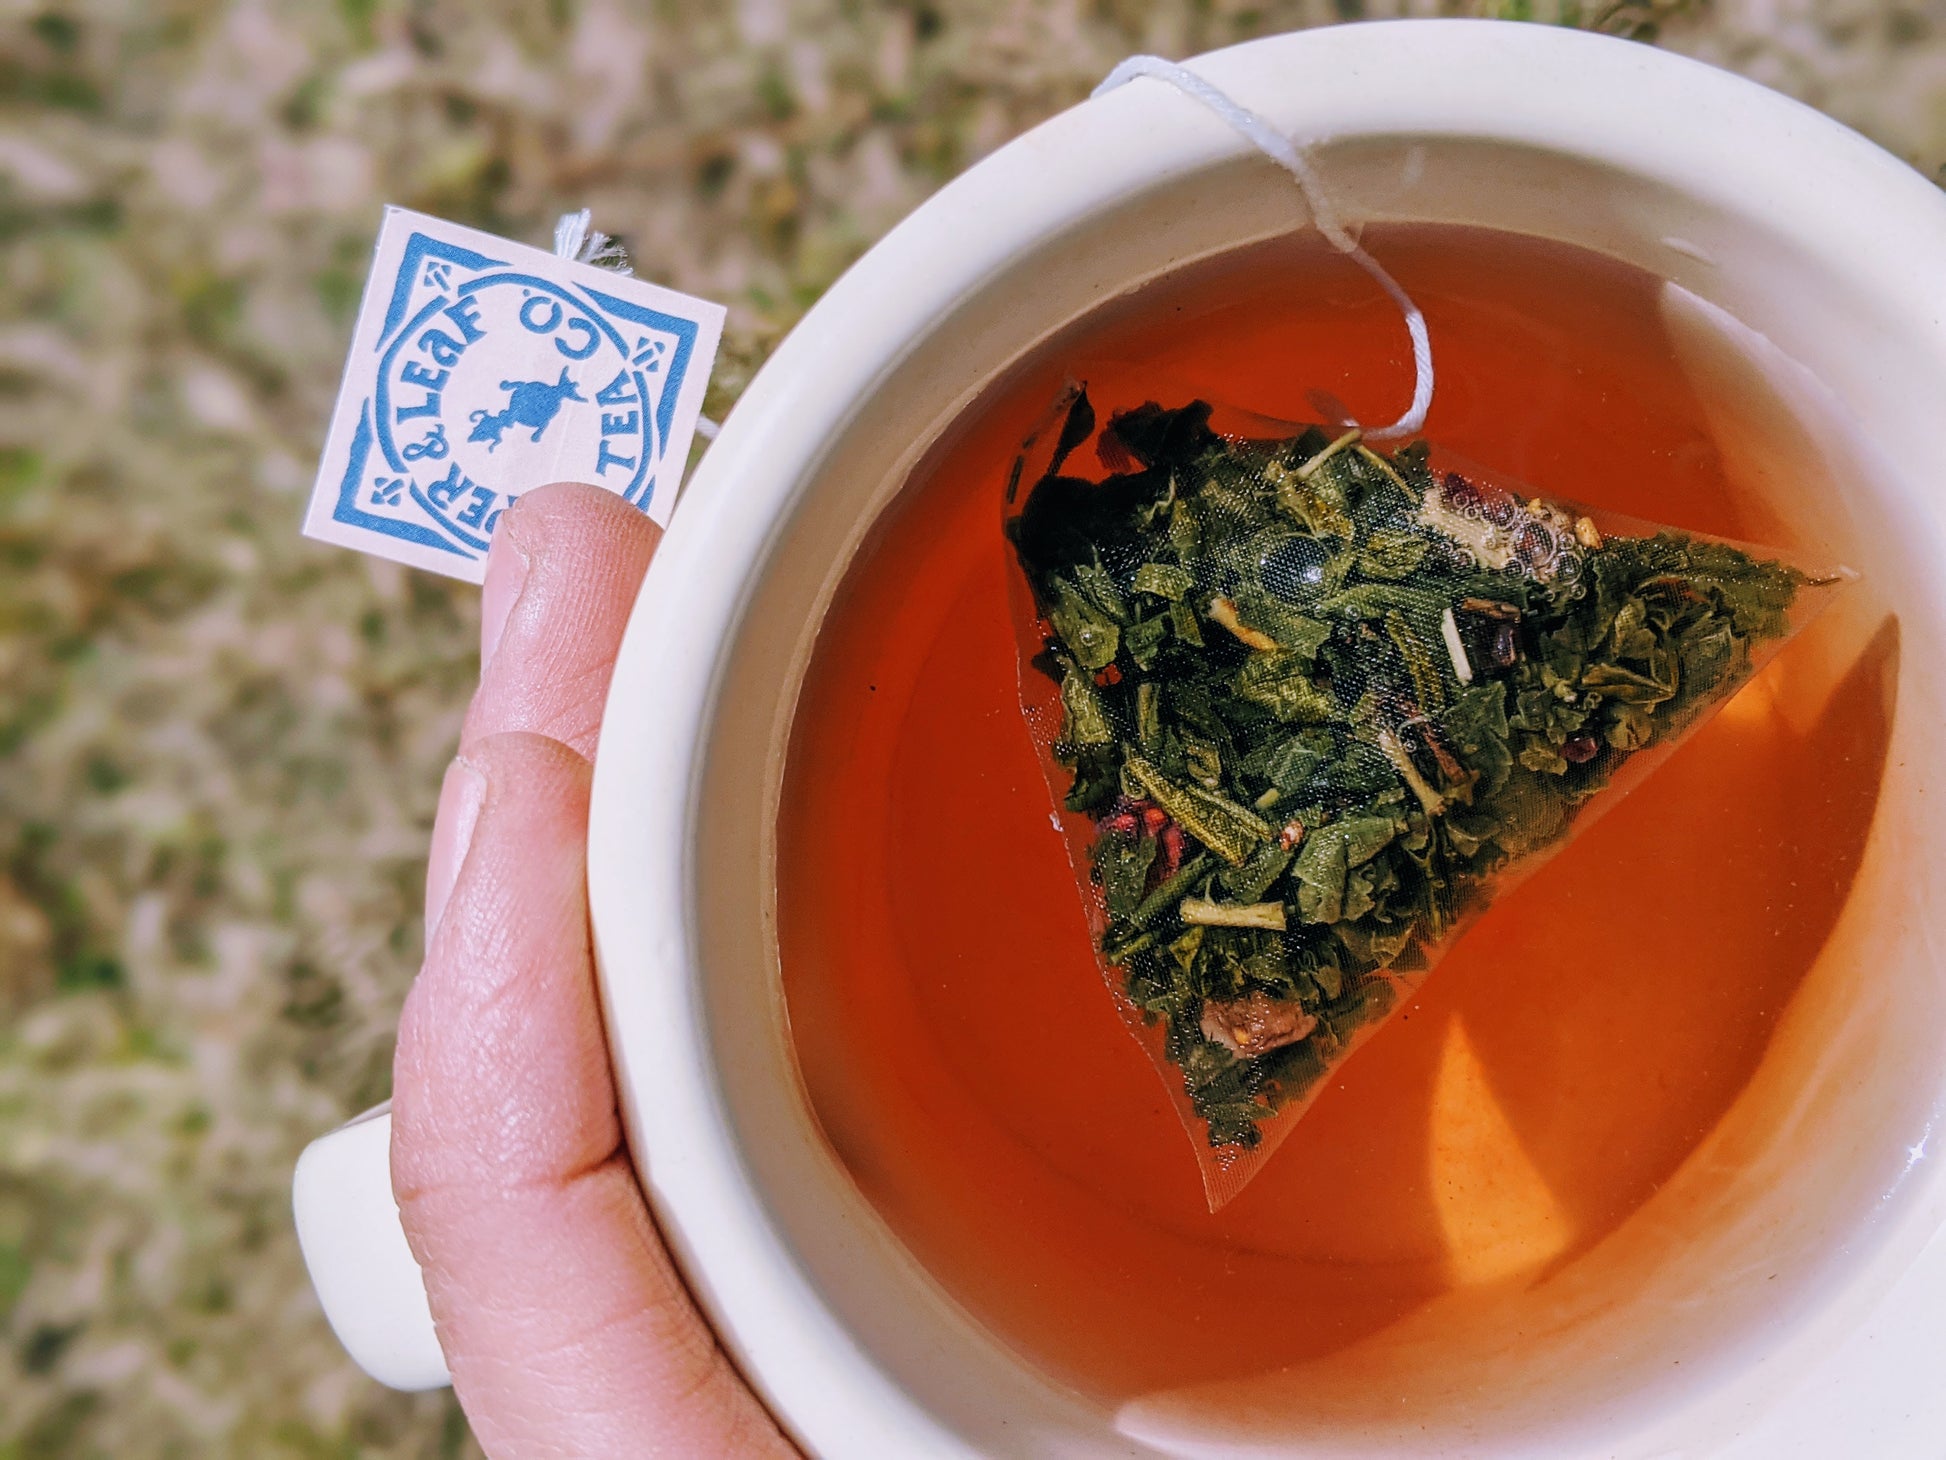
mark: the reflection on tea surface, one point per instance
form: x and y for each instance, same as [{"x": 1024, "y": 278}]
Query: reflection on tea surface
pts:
[{"x": 957, "y": 1042}]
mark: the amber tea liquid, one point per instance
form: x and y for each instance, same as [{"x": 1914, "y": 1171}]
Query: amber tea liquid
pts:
[{"x": 958, "y": 1045}]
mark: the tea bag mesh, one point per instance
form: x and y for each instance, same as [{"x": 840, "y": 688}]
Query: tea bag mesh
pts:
[{"x": 1309, "y": 707}]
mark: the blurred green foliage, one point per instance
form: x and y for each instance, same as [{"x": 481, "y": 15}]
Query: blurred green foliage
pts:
[{"x": 220, "y": 744}]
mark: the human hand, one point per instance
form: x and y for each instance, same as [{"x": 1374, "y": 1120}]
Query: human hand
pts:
[{"x": 565, "y": 1326}]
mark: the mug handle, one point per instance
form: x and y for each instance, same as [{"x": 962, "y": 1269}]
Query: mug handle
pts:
[{"x": 366, "y": 1278}]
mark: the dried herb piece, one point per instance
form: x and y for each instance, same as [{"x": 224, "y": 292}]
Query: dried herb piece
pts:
[{"x": 1316, "y": 698}]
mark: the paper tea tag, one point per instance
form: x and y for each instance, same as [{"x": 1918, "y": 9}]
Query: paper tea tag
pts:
[{"x": 481, "y": 369}]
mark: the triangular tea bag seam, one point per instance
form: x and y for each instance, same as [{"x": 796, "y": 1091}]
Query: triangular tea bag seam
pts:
[{"x": 1104, "y": 535}]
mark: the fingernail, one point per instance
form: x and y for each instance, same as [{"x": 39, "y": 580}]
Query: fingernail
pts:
[
  {"x": 460, "y": 797},
  {"x": 506, "y": 574}
]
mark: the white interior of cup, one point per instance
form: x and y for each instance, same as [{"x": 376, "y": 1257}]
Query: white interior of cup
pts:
[{"x": 1795, "y": 1214}]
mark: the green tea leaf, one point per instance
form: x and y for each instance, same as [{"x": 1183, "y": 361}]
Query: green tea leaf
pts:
[
  {"x": 1324, "y": 868},
  {"x": 1317, "y": 501},
  {"x": 1392, "y": 555},
  {"x": 1163, "y": 580},
  {"x": 1281, "y": 683},
  {"x": 1298, "y": 633},
  {"x": 1092, "y": 636},
  {"x": 1182, "y": 617},
  {"x": 1144, "y": 638},
  {"x": 1122, "y": 863},
  {"x": 1086, "y": 721},
  {"x": 1255, "y": 877},
  {"x": 1229, "y": 830},
  {"x": 1616, "y": 683},
  {"x": 1290, "y": 763},
  {"x": 1148, "y": 716},
  {"x": 1102, "y": 591},
  {"x": 1427, "y": 685}
]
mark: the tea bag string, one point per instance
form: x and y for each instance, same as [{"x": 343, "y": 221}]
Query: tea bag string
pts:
[
  {"x": 1257, "y": 130},
  {"x": 576, "y": 240}
]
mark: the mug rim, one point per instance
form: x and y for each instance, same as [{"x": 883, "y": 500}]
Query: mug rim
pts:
[{"x": 1703, "y": 132}]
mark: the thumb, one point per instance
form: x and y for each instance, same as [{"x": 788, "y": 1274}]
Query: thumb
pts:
[{"x": 565, "y": 1325}]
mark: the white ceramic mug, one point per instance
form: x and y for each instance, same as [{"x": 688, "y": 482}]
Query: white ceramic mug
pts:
[{"x": 1804, "y": 1312}]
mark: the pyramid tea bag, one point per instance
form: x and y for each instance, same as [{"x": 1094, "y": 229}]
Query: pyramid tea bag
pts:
[{"x": 1310, "y": 705}]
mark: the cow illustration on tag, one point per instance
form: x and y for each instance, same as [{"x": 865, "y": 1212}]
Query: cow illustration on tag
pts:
[{"x": 531, "y": 403}]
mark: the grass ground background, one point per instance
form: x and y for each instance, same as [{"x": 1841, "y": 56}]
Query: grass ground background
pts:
[{"x": 219, "y": 744}]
